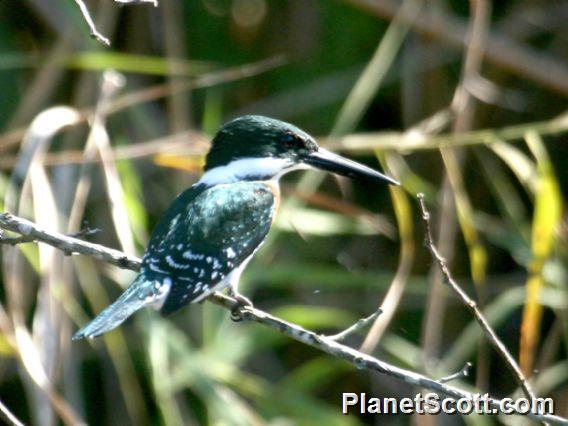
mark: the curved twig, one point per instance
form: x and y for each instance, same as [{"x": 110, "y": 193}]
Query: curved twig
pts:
[{"x": 471, "y": 305}]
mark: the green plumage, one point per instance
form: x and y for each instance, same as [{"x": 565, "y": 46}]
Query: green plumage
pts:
[
  {"x": 208, "y": 234},
  {"x": 211, "y": 237},
  {"x": 254, "y": 136}
]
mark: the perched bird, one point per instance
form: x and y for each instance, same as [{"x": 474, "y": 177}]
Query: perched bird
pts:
[{"x": 211, "y": 231}]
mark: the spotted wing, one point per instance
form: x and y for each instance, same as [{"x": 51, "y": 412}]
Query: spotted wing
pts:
[{"x": 203, "y": 241}]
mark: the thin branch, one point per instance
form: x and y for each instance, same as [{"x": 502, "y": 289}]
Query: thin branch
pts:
[
  {"x": 8, "y": 417},
  {"x": 250, "y": 313},
  {"x": 92, "y": 28},
  {"x": 362, "y": 323},
  {"x": 359, "y": 359},
  {"x": 67, "y": 244},
  {"x": 127, "y": 2},
  {"x": 89, "y": 20},
  {"x": 464, "y": 372},
  {"x": 472, "y": 306},
  {"x": 85, "y": 232}
]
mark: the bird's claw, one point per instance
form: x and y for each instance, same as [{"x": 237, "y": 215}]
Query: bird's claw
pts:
[
  {"x": 242, "y": 303},
  {"x": 236, "y": 314}
]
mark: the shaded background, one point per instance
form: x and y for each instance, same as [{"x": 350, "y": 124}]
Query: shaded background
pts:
[{"x": 402, "y": 84}]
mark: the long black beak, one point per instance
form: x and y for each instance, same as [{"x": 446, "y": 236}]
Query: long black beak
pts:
[{"x": 328, "y": 161}]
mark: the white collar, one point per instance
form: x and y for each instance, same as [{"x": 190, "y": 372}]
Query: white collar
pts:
[{"x": 249, "y": 169}]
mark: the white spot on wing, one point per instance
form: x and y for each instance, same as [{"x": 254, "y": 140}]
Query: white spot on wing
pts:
[
  {"x": 154, "y": 268},
  {"x": 232, "y": 279},
  {"x": 172, "y": 263},
  {"x": 188, "y": 254}
]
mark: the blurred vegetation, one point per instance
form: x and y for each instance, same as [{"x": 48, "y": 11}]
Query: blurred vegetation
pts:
[{"x": 403, "y": 84}]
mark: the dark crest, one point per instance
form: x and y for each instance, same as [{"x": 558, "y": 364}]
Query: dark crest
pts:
[{"x": 255, "y": 136}]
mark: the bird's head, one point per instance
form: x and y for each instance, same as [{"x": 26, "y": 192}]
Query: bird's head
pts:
[{"x": 254, "y": 147}]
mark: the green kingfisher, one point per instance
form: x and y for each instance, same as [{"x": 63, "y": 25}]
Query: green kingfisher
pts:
[{"x": 210, "y": 232}]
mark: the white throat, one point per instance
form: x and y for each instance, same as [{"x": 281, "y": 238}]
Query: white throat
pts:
[{"x": 249, "y": 169}]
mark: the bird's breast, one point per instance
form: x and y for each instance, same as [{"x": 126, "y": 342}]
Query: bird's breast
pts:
[{"x": 275, "y": 189}]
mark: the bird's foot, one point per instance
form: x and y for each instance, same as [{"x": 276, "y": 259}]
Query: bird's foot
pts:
[{"x": 242, "y": 302}]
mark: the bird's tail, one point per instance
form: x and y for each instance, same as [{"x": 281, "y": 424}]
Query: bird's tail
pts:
[{"x": 138, "y": 295}]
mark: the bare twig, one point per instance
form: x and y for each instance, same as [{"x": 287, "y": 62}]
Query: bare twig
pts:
[
  {"x": 125, "y": 2},
  {"x": 8, "y": 417},
  {"x": 464, "y": 372},
  {"x": 359, "y": 359},
  {"x": 85, "y": 232},
  {"x": 68, "y": 245},
  {"x": 472, "y": 306},
  {"x": 250, "y": 313},
  {"x": 92, "y": 28},
  {"x": 89, "y": 20},
  {"x": 362, "y": 323}
]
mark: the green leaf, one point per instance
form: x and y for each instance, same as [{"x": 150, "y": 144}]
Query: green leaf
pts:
[
  {"x": 140, "y": 64},
  {"x": 547, "y": 216}
]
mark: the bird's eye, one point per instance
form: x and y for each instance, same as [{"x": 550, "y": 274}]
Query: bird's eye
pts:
[{"x": 289, "y": 140}]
